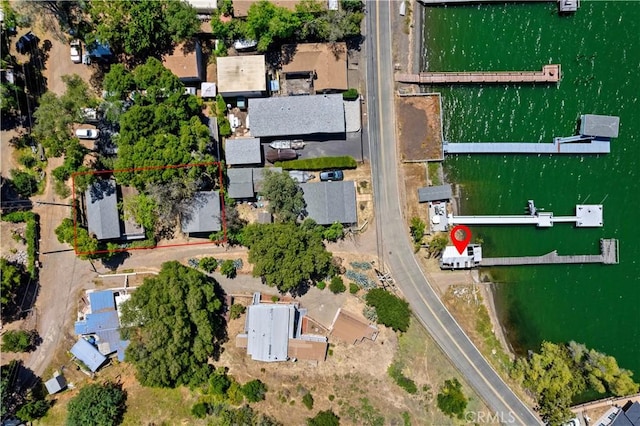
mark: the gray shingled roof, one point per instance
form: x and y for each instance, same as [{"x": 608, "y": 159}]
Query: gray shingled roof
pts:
[
  {"x": 296, "y": 115},
  {"x": 204, "y": 215},
  {"x": 242, "y": 151},
  {"x": 258, "y": 176},
  {"x": 240, "y": 183},
  {"x": 102, "y": 209},
  {"x": 434, "y": 193},
  {"x": 329, "y": 202}
]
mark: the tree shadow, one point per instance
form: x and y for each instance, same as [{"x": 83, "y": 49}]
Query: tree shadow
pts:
[
  {"x": 115, "y": 260},
  {"x": 220, "y": 323}
]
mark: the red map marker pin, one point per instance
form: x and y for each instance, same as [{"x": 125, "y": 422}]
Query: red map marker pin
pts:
[{"x": 461, "y": 245}]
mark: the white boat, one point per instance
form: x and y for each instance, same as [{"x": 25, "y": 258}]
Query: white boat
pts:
[{"x": 287, "y": 144}]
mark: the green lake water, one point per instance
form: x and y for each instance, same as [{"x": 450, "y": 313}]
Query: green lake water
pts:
[{"x": 598, "y": 48}]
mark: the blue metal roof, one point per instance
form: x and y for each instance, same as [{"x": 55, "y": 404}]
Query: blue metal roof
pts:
[
  {"x": 102, "y": 300},
  {"x": 104, "y": 323},
  {"x": 88, "y": 354}
]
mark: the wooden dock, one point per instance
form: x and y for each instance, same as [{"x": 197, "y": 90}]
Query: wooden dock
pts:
[
  {"x": 608, "y": 256},
  {"x": 549, "y": 74}
]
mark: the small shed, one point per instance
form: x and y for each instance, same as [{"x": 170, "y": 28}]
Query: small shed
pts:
[
  {"x": 242, "y": 151},
  {"x": 208, "y": 90},
  {"x": 330, "y": 202},
  {"x": 88, "y": 354},
  {"x": 56, "y": 384},
  {"x": 203, "y": 215},
  {"x": 240, "y": 183}
]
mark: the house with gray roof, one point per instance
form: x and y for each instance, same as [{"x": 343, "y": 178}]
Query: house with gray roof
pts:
[
  {"x": 245, "y": 182},
  {"x": 242, "y": 151},
  {"x": 275, "y": 332},
  {"x": 203, "y": 215},
  {"x": 330, "y": 202},
  {"x": 434, "y": 193},
  {"x": 296, "y": 115},
  {"x": 240, "y": 183},
  {"x": 102, "y": 209}
]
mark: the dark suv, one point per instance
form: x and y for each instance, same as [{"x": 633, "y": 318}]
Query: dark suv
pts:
[
  {"x": 26, "y": 42},
  {"x": 331, "y": 175}
]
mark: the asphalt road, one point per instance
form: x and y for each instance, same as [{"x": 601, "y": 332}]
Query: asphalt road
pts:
[{"x": 394, "y": 247}]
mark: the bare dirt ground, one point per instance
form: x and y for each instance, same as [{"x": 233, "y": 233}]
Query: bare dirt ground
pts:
[
  {"x": 419, "y": 128},
  {"x": 414, "y": 175}
]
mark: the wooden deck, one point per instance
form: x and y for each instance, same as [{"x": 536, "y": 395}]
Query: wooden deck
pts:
[
  {"x": 549, "y": 74},
  {"x": 608, "y": 256}
]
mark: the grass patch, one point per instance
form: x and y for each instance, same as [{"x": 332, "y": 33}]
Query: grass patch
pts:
[
  {"x": 344, "y": 162},
  {"x": 434, "y": 173}
]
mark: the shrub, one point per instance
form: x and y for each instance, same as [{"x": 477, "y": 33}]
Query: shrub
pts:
[
  {"x": 97, "y": 404},
  {"x": 395, "y": 372},
  {"x": 334, "y": 232},
  {"x": 33, "y": 410},
  {"x": 365, "y": 266},
  {"x": 200, "y": 410},
  {"x": 208, "y": 264},
  {"x": 228, "y": 269},
  {"x": 236, "y": 310},
  {"x": 417, "y": 229},
  {"x": 321, "y": 285},
  {"x": 370, "y": 313},
  {"x": 322, "y": 163},
  {"x": 307, "y": 400},
  {"x": 451, "y": 400},
  {"x": 360, "y": 279},
  {"x": 350, "y": 95},
  {"x": 19, "y": 340},
  {"x": 254, "y": 390},
  {"x": 324, "y": 418},
  {"x": 274, "y": 298},
  {"x": 353, "y": 288},
  {"x": 391, "y": 310},
  {"x": 24, "y": 183},
  {"x": 337, "y": 285}
]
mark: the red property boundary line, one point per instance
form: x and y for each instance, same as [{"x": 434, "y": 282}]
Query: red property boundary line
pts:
[{"x": 135, "y": 169}]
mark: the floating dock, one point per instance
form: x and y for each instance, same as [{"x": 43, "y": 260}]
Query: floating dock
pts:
[
  {"x": 549, "y": 74},
  {"x": 608, "y": 256},
  {"x": 595, "y": 136},
  {"x": 563, "y": 5},
  {"x": 587, "y": 216}
]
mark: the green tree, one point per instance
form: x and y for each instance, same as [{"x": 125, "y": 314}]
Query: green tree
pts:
[
  {"x": 285, "y": 197},
  {"x": 144, "y": 28},
  {"x": 254, "y": 390},
  {"x": 324, "y": 418},
  {"x": 208, "y": 264},
  {"x": 451, "y": 400},
  {"x": 337, "y": 285},
  {"x": 219, "y": 382},
  {"x": 438, "y": 244},
  {"x": 33, "y": 410},
  {"x": 334, "y": 232},
  {"x": 286, "y": 255},
  {"x": 118, "y": 82},
  {"x": 175, "y": 325},
  {"x": 228, "y": 268},
  {"x": 97, "y": 405},
  {"x": 417, "y": 229},
  {"x": 25, "y": 183},
  {"x": 267, "y": 24},
  {"x": 12, "y": 276},
  {"x": 142, "y": 209},
  {"x": 84, "y": 244},
  {"x": 391, "y": 310},
  {"x": 236, "y": 310},
  {"x": 19, "y": 340}
]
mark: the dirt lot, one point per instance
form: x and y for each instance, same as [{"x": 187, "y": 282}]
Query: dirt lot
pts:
[
  {"x": 419, "y": 128},
  {"x": 414, "y": 176}
]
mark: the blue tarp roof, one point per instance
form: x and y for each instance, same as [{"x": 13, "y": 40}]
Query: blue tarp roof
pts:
[{"x": 88, "y": 354}]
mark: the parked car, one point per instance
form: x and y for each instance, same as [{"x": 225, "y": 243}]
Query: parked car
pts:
[
  {"x": 87, "y": 133},
  {"x": 76, "y": 51},
  {"x": 273, "y": 155},
  {"x": 26, "y": 42},
  {"x": 331, "y": 175}
]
